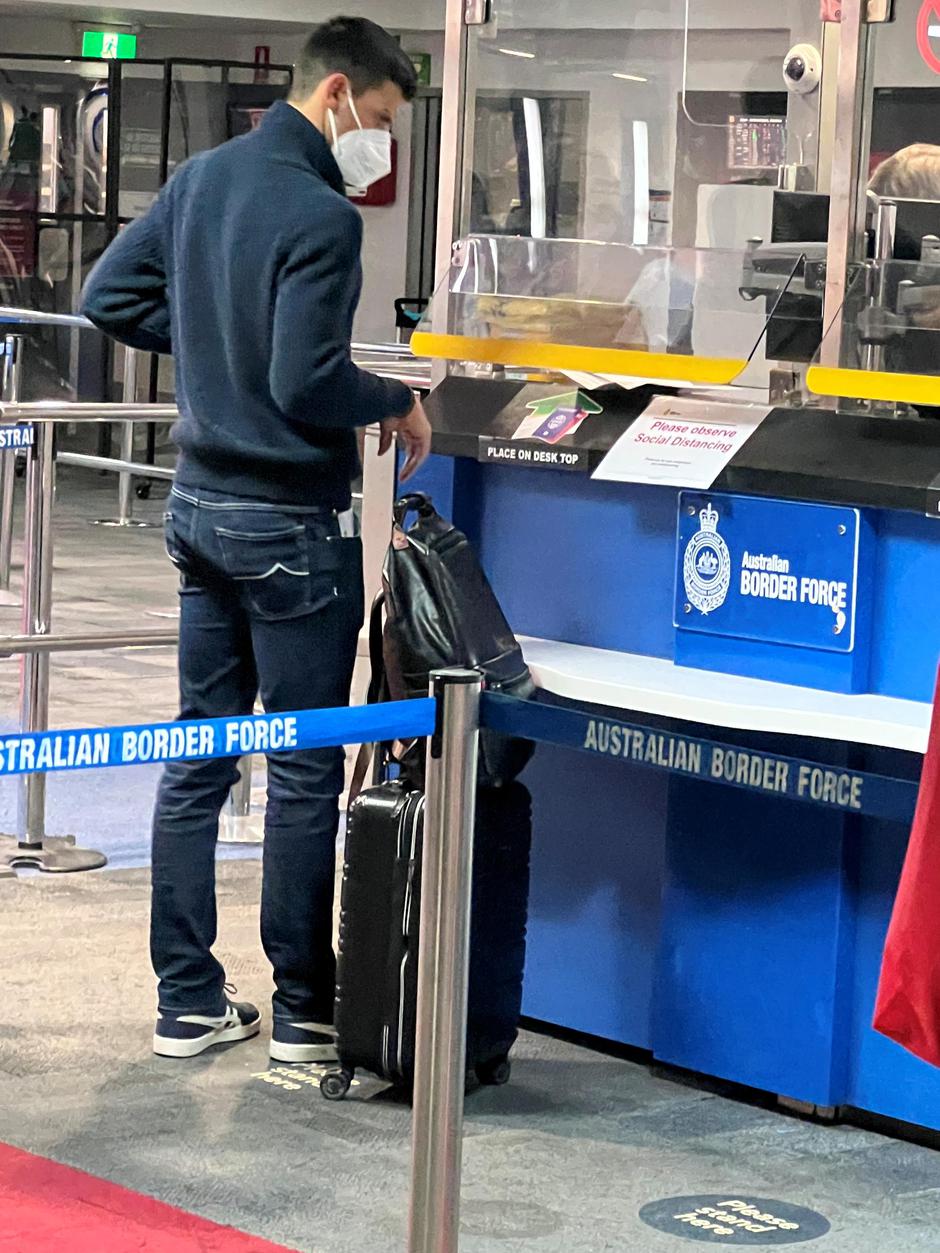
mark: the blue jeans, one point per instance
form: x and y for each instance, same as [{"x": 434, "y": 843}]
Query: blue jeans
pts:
[{"x": 272, "y": 603}]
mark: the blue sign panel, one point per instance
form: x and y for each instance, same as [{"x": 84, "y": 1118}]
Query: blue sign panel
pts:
[
  {"x": 20, "y": 436},
  {"x": 768, "y": 570}
]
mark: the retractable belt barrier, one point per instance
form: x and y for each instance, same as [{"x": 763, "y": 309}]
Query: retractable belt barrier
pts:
[
  {"x": 201, "y": 740},
  {"x": 766, "y": 773},
  {"x": 751, "y": 770}
]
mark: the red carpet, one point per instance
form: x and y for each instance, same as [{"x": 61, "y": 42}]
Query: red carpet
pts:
[{"x": 45, "y": 1207}]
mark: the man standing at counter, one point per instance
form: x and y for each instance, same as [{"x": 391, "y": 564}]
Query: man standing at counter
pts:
[{"x": 247, "y": 269}]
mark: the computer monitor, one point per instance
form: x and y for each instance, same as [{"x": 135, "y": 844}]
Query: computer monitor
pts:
[
  {"x": 800, "y": 217},
  {"x": 795, "y": 328},
  {"x": 794, "y": 331},
  {"x": 916, "y": 219},
  {"x": 756, "y": 143}
]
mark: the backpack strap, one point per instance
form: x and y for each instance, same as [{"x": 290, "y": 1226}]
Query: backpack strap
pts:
[
  {"x": 417, "y": 502},
  {"x": 377, "y": 693},
  {"x": 376, "y": 655}
]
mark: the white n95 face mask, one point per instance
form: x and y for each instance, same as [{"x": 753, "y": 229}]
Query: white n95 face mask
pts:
[{"x": 363, "y": 156}]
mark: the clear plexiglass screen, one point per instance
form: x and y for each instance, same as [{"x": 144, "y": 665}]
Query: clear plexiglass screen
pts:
[
  {"x": 652, "y": 125},
  {"x": 684, "y": 127},
  {"x": 698, "y": 315}
]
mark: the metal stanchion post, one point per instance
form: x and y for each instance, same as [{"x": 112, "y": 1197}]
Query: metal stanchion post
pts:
[
  {"x": 31, "y": 847},
  {"x": 125, "y": 516},
  {"x": 237, "y": 825},
  {"x": 125, "y": 482},
  {"x": 37, "y": 620},
  {"x": 12, "y": 376},
  {"x": 443, "y": 965}
]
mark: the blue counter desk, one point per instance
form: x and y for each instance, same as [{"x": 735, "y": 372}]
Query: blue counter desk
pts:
[{"x": 733, "y": 934}]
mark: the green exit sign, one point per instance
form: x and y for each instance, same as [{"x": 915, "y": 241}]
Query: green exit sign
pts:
[
  {"x": 422, "y": 63},
  {"x": 109, "y": 45}
]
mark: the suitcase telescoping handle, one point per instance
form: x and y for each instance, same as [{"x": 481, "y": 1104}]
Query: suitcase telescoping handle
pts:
[{"x": 371, "y": 755}]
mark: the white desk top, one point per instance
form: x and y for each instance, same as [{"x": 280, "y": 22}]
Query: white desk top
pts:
[{"x": 651, "y": 686}]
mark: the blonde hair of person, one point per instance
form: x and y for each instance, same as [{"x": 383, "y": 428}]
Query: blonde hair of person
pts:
[{"x": 911, "y": 174}]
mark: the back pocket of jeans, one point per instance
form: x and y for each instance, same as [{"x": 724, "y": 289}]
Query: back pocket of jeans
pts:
[
  {"x": 274, "y": 568},
  {"x": 169, "y": 539}
]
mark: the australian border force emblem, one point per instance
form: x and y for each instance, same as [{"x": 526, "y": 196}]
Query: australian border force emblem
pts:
[{"x": 707, "y": 565}]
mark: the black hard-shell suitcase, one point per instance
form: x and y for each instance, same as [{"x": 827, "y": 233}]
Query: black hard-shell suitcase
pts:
[{"x": 376, "y": 989}]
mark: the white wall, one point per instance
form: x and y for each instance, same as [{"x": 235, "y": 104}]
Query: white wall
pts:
[
  {"x": 59, "y": 38},
  {"x": 585, "y": 61},
  {"x": 384, "y": 250},
  {"x": 739, "y": 26}
]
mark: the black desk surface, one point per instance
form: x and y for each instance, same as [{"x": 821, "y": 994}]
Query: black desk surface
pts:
[{"x": 798, "y": 454}]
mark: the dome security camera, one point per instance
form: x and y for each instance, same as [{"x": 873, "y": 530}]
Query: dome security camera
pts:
[{"x": 802, "y": 69}]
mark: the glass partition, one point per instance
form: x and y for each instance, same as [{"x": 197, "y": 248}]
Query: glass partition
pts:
[
  {"x": 906, "y": 99},
  {"x": 880, "y": 349},
  {"x": 142, "y": 97},
  {"x": 639, "y": 181},
  {"x": 674, "y": 314},
  {"x": 884, "y": 349},
  {"x": 645, "y": 125},
  {"x": 53, "y": 136},
  {"x": 646, "y": 191},
  {"x": 209, "y": 104}
]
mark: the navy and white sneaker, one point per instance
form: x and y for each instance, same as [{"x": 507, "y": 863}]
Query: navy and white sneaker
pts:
[
  {"x": 303, "y": 1042},
  {"x": 191, "y": 1034}
]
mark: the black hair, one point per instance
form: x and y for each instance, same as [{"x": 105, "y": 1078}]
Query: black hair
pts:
[{"x": 366, "y": 53}]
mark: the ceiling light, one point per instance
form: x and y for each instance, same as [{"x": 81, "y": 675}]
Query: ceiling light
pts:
[
  {"x": 513, "y": 52},
  {"x": 632, "y": 78}
]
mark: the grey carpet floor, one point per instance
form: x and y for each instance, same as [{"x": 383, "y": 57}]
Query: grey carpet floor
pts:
[{"x": 559, "y": 1162}]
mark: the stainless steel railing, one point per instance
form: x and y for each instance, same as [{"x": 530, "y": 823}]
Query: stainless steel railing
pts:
[
  {"x": 393, "y": 358},
  {"x": 9, "y": 392},
  {"x": 12, "y": 316},
  {"x": 36, "y": 643},
  {"x": 85, "y": 412},
  {"x": 386, "y": 360}
]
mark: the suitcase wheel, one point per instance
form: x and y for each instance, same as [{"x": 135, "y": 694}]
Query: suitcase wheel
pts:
[
  {"x": 335, "y": 1085},
  {"x": 495, "y": 1073}
]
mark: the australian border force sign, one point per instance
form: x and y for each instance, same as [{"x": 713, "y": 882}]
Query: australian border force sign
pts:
[
  {"x": 22, "y": 435},
  {"x": 769, "y": 570}
]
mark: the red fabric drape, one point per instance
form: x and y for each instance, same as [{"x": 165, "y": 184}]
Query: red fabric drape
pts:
[{"x": 908, "y": 1005}]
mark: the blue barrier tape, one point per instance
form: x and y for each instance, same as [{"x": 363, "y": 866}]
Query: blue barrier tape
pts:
[
  {"x": 216, "y": 737},
  {"x": 768, "y": 774}
]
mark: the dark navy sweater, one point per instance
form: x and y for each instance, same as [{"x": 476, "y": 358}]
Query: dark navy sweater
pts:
[{"x": 247, "y": 269}]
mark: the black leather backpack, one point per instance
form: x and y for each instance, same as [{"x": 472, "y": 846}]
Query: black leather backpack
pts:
[{"x": 436, "y": 611}]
